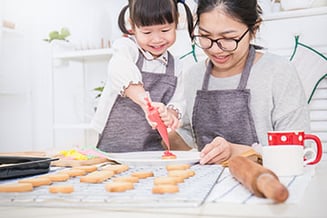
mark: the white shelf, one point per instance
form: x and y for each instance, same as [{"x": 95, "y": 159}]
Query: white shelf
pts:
[
  {"x": 85, "y": 55},
  {"x": 11, "y": 31},
  {"x": 11, "y": 93},
  {"x": 63, "y": 53},
  {"x": 295, "y": 13}
]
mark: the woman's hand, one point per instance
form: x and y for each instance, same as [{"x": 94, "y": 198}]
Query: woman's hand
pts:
[{"x": 216, "y": 152}]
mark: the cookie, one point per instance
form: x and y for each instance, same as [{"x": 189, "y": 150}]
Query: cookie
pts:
[
  {"x": 142, "y": 174},
  {"x": 75, "y": 172},
  {"x": 179, "y": 179},
  {"x": 168, "y": 157},
  {"x": 181, "y": 173},
  {"x": 58, "y": 177},
  {"x": 39, "y": 181},
  {"x": 132, "y": 179},
  {"x": 165, "y": 180},
  {"x": 97, "y": 176},
  {"x": 162, "y": 189},
  {"x": 87, "y": 169},
  {"x": 178, "y": 167},
  {"x": 119, "y": 186},
  {"x": 119, "y": 168},
  {"x": 16, "y": 187},
  {"x": 61, "y": 188}
]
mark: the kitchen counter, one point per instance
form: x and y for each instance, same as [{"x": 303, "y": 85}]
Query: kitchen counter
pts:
[{"x": 312, "y": 204}]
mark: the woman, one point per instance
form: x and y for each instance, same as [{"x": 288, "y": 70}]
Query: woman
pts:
[{"x": 239, "y": 93}]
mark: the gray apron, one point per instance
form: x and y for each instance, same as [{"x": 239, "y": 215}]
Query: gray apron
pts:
[
  {"x": 224, "y": 113},
  {"x": 127, "y": 129}
]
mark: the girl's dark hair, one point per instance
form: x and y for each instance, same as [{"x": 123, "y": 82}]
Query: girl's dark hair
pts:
[
  {"x": 153, "y": 12},
  {"x": 245, "y": 11}
]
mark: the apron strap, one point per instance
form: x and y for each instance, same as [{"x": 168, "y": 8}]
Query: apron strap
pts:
[
  {"x": 140, "y": 60},
  {"x": 205, "y": 82},
  {"x": 170, "y": 70},
  {"x": 244, "y": 76},
  {"x": 246, "y": 71}
]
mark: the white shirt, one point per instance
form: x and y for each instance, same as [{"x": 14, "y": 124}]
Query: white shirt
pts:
[{"x": 122, "y": 71}]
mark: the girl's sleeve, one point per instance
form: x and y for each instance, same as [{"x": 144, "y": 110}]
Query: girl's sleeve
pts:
[{"x": 122, "y": 70}]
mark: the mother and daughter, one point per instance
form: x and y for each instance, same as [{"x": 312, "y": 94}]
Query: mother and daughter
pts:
[{"x": 226, "y": 102}]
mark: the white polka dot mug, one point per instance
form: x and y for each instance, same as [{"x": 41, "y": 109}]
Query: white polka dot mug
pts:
[{"x": 295, "y": 137}]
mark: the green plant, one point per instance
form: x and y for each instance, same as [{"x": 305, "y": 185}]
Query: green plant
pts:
[
  {"x": 99, "y": 89},
  {"x": 62, "y": 35}
]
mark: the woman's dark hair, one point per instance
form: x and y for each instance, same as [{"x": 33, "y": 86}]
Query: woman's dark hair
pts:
[
  {"x": 245, "y": 11},
  {"x": 153, "y": 12}
]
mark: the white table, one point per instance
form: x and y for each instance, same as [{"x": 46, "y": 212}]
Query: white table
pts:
[{"x": 312, "y": 204}]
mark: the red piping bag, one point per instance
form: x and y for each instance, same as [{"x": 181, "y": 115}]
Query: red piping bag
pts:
[{"x": 154, "y": 116}]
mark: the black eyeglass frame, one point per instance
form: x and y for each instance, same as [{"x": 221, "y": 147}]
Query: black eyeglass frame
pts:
[{"x": 217, "y": 41}]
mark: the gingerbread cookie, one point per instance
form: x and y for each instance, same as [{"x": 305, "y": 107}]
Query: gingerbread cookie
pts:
[
  {"x": 119, "y": 186},
  {"x": 181, "y": 173},
  {"x": 61, "y": 188},
  {"x": 75, "y": 172},
  {"x": 119, "y": 168},
  {"x": 97, "y": 176},
  {"x": 58, "y": 177},
  {"x": 88, "y": 169},
  {"x": 142, "y": 174},
  {"x": 132, "y": 179},
  {"x": 166, "y": 188},
  {"x": 178, "y": 167},
  {"x": 165, "y": 180},
  {"x": 16, "y": 187},
  {"x": 39, "y": 181}
]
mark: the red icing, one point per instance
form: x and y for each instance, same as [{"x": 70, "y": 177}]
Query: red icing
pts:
[{"x": 167, "y": 153}]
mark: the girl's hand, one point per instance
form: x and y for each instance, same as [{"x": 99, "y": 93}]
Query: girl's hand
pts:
[
  {"x": 168, "y": 116},
  {"x": 152, "y": 124},
  {"x": 217, "y": 151}
]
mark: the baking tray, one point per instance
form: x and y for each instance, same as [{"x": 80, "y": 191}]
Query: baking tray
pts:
[{"x": 19, "y": 166}]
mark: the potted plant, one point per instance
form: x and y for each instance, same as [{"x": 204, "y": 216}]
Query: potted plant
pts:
[{"x": 58, "y": 35}]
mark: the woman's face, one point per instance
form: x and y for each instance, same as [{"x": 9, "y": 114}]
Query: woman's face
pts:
[
  {"x": 215, "y": 25},
  {"x": 156, "y": 39}
]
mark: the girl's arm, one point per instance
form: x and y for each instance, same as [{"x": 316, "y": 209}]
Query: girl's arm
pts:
[{"x": 122, "y": 70}]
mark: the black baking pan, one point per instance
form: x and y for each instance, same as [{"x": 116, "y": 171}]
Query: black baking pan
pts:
[{"x": 19, "y": 166}]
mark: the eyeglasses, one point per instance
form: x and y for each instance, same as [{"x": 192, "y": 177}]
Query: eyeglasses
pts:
[{"x": 224, "y": 44}]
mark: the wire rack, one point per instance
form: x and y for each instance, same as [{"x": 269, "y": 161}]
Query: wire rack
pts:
[{"x": 192, "y": 192}]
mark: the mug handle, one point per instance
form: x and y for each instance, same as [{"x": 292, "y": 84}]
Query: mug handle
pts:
[
  {"x": 312, "y": 154},
  {"x": 318, "y": 146}
]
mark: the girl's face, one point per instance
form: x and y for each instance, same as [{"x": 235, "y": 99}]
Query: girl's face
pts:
[
  {"x": 156, "y": 39},
  {"x": 216, "y": 25}
]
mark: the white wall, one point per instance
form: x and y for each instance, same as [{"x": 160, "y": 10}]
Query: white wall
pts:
[
  {"x": 26, "y": 65},
  {"x": 26, "y": 121}
]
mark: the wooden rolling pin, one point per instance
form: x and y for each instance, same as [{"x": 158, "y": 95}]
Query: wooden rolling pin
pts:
[{"x": 261, "y": 181}]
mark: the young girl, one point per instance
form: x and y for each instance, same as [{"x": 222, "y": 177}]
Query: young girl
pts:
[{"x": 141, "y": 64}]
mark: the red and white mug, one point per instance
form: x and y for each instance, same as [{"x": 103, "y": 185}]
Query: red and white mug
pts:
[{"x": 295, "y": 137}]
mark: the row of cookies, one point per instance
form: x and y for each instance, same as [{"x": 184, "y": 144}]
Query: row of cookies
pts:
[
  {"x": 90, "y": 174},
  {"x": 164, "y": 184}
]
